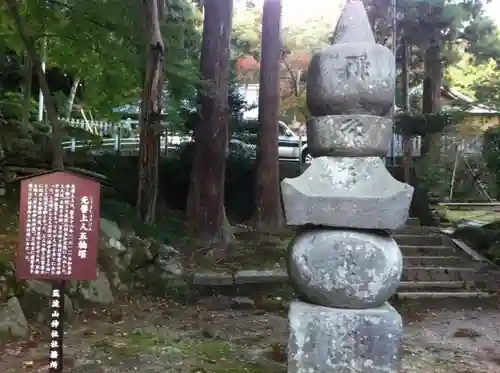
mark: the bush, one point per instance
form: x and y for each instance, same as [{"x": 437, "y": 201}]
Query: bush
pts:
[
  {"x": 485, "y": 240},
  {"x": 174, "y": 177},
  {"x": 437, "y": 178},
  {"x": 491, "y": 154}
]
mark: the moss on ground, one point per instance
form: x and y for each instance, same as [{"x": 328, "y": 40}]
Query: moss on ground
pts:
[
  {"x": 486, "y": 216},
  {"x": 193, "y": 354},
  {"x": 251, "y": 250}
]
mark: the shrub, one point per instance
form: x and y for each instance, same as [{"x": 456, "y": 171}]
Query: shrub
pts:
[
  {"x": 174, "y": 176},
  {"x": 485, "y": 240}
]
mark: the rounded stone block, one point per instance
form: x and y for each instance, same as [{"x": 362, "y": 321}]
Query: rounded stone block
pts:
[
  {"x": 354, "y": 78},
  {"x": 349, "y": 135},
  {"x": 345, "y": 268}
]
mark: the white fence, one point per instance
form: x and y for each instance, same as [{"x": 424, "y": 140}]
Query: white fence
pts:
[
  {"x": 118, "y": 142},
  {"x": 448, "y": 144}
]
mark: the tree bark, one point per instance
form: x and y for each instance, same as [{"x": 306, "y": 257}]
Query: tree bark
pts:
[
  {"x": 26, "y": 37},
  {"x": 268, "y": 211},
  {"x": 407, "y": 145},
  {"x": 28, "y": 80},
  {"x": 431, "y": 95},
  {"x": 71, "y": 98},
  {"x": 205, "y": 208},
  {"x": 150, "y": 119}
]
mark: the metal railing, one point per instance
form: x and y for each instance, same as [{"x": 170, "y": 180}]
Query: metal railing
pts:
[
  {"x": 119, "y": 143},
  {"x": 122, "y": 145}
]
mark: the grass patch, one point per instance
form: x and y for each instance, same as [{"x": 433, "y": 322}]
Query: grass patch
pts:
[
  {"x": 194, "y": 354},
  {"x": 9, "y": 224},
  {"x": 251, "y": 250},
  {"x": 486, "y": 216},
  {"x": 168, "y": 229}
]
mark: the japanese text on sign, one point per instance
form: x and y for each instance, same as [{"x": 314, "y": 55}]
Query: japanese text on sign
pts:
[
  {"x": 58, "y": 227},
  {"x": 49, "y": 228},
  {"x": 85, "y": 225},
  {"x": 55, "y": 330}
]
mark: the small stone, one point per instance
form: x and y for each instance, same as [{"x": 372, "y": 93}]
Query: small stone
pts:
[
  {"x": 169, "y": 262},
  {"x": 325, "y": 340},
  {"x": 36, "y": 300},
  {"x": 347, "y": 192},
  {"x": 349, "y": 135},
  {"x": 12, "y": 320},
  {"x": 348, "y": 269},
  {"x": 213, "y": 279},
  {"x": 98, "y": 291},
  {"x": 117, "y": 245},
  {"x": 255, "y": 276},
  {"x": 110, "y": 229},
  {"x": 467, "y": 333},
  {"x": 243, "y": 303}
]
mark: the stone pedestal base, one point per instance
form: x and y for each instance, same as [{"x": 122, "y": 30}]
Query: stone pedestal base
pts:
[{"x": 327, "y": 340}]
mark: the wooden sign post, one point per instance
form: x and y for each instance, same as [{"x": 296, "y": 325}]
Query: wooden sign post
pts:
[{"x": 58, "y": 240}]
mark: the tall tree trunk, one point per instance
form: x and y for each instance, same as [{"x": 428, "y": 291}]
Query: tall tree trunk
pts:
[
  {"x": 431, "y": 95},
  {"x": 150, "y": 119},
  {"x": 27, "y": 83},
  {"x": 268, "y": 211},
  {"x": 407, "y": 145},
  {"x": 71, "y": 98},
  {"x": 26, "y": 37},
  {"x": 205, "y": 210}
]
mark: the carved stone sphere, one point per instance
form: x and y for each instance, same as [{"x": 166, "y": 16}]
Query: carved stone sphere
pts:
[
  {"x": 345, "y": 268},
  {"x": 353, "y": 78}
]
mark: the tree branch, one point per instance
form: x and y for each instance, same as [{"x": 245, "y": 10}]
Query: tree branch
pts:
[
  {"x": 292, "y": 77},
  {"x": 57, "y": 152}
]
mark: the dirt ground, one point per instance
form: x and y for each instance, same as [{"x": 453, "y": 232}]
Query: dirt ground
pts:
[{"x": 153, "y": 336}]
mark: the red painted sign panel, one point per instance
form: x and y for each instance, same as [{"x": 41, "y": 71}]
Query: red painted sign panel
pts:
[{"x": 58, "y": 227}]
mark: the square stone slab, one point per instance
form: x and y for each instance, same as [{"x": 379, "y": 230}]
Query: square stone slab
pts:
[
  {"x": 348, "y": 193},
  {"x": 326, "y": 340}
]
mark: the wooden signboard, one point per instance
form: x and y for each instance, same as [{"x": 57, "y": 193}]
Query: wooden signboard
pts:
[{"x": 58, "y": 240}]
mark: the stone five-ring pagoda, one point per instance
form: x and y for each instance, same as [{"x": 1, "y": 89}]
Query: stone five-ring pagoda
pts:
[{"x": 344, "y": 264}]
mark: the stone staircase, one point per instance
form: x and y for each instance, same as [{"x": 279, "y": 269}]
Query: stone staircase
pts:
[{"x": 434, "y": 267}]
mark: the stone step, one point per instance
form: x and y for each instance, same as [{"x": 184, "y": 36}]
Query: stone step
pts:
[
  {"x": 449, "y": 286},
  {"x": 416, "y": 230},
  {"x": 413, "y": 222},
  {"x": 443, "y": 295},
  {"x": 421, "y": 250},
  {"x": 433, "y": 261},
  {"x": 419, "y": 239},
  {"x": 437, "y": 274}
]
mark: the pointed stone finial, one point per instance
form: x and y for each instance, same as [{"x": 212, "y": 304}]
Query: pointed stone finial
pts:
[
  {"x": 353, "y": 25},
  {"x": 354, "y": 75}
]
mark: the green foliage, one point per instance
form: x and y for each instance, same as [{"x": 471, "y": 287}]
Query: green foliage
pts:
[
  {"x": 420, "y": 22},
  {"x": 434, "y": 177},
  {"x": 480, "y": 79},
  {"x": 102, "y": 44},
  {"x": 491, "y": 152},
  {"x": 419, "y": 124},
  {"x": 174, "y": 174},
  {"x": 485, "y": 240},
  {"x": 482, "y": 36},
  {"x": 437, "y": 178},
  {"x": 12, "y": 106}
]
